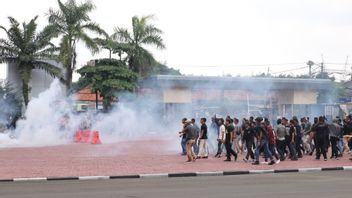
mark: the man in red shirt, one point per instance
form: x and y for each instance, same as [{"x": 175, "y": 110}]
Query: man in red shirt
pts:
[{"x": 272, "y": 140}]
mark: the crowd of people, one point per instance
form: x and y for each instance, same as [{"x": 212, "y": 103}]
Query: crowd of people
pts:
[{"x": 287, "y": 139}]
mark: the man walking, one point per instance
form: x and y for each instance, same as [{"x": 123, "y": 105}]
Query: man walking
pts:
[
  {"x": 195, "y": 145},
  {"x": 221, "y": 138},
  {"x": 203, "y": 138},
  {"x": 321, "y": 132},
  {"x": 280, "y": 132},
  {"x": 229, "y": 139},
  {"x": 262, "y": 142}
]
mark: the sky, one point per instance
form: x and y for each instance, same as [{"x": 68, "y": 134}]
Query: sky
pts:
[{"x": 222, "y": 37}]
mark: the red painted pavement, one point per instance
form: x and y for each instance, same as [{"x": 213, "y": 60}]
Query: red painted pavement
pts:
[{"x": 125, "y": 158}]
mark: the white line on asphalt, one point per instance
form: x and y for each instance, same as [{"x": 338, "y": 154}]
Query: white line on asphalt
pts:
[
  {"x": 261, "y": 171},
  {"x": 157, "y": 175},
  {"x": 217, "y": 173},
  {"x": 309, "y": 169},
  {"x": 347, "y": 168},
  {"x": 93, "y": 177},
  {"x": 30, "y": 179}
]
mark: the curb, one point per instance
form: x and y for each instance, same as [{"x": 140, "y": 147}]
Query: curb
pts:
[{"x": 173, "y": 175}]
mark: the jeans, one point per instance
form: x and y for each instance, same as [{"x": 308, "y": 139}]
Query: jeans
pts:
[
  {"x": 340, "y": 145},
  {"x": 292, "y": 148},
  {"x": 196, "y": 148},
  {"x": 272, "y": 148},
  {"x": 265, "y": 145},
  {"x": 183, "y": 145},
  {"x": 219, "y": 148}
]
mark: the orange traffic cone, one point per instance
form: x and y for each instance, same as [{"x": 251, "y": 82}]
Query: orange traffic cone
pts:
[
  {"x": 86, "y": 136},
  {"x": 78, "y": 136},
  {"x": 96, "y": 139}
]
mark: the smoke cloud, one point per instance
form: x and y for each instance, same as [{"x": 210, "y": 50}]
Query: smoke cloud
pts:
[{"x": 49, "y": 120}]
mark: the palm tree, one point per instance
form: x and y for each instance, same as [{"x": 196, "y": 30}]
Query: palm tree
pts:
[
  {"x": 109, "y": 43},
  {"x": 29, "y": 50},
  {"x": 72, "y": 22},
  {"x": 143, "y": 34}
]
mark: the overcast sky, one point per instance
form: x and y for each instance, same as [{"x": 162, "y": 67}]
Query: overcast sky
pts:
[{"x": 216, "y": 37}]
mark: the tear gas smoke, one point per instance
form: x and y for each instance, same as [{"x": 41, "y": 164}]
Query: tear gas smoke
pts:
[{"x": 49, "y": 120}]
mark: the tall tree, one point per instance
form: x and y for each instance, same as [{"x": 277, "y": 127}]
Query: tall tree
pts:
[
  {"x": 109, "y": 43},
  {"x": 72, "y": 21},
  {"x": 107, "y": 77},
  {"x": 143, "y": 34},
  {"x": 29, "y": 50}
]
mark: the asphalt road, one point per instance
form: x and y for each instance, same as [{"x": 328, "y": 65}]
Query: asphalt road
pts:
[{"x": 288, "y": 185}]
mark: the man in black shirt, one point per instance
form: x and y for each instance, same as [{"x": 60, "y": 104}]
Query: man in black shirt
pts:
[
  {"x": 291, "y": 143},
  {"x": 298, "y": 139},
  {"x": 262, "y": 142},
  {"x": 321, "y": 132},
  {"x": 248, "y": 139},
  {"x": 203, "y": 138},
  {"x": 230, "y": 129}
]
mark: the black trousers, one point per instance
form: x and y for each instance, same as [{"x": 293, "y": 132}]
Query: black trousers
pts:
[
  {"x": 229, "y": 150},
  {"x": 299, "y": 146},
  {"x": 249, "y": 146},
  {"x": 321, "y": 147},
  {"x": 281, "y": 147},
  {"x": 334, "y": 149}
]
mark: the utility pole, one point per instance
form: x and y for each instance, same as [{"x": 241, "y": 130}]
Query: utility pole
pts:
[
  {"x": 322, "y": 66},
  {"x": 310, "y": 64},
  {"x": 268, "y": 72}
]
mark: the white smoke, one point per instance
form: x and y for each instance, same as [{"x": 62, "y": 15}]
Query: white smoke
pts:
[{"x": 43, "y": 122}]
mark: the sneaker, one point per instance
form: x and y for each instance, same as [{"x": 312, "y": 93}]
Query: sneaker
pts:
[
  {"x": 256, "y": 163},
  {"x": 325, "y": 159},
  {"x": 227, "y": 160},
  {"x": 245, "y": 160},
  {"x": 206, "y": 157},
  {"x": 272, "y": 162},
  {"x": 278, "y": 161}
]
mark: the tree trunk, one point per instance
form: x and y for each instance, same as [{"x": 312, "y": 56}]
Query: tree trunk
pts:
[
  {"x": 68, "y": 79},
  {"x": 25, "y": 92},
  {"x": 96, "y": 101},
  {"x": 70, "y": 68}
]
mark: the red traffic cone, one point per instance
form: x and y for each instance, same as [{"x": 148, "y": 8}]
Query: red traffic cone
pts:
[{"x": 96, "y": 139}]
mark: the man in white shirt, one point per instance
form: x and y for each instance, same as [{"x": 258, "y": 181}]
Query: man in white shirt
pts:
[{"x": 221, "y": 138}]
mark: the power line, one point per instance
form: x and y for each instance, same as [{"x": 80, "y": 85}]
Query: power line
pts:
[
  {"x": 284, "y": 71},
  {"x": 250, "y": 65}
]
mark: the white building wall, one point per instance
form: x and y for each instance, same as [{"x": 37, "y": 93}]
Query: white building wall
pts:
[{"x": 39, "y": 82}]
